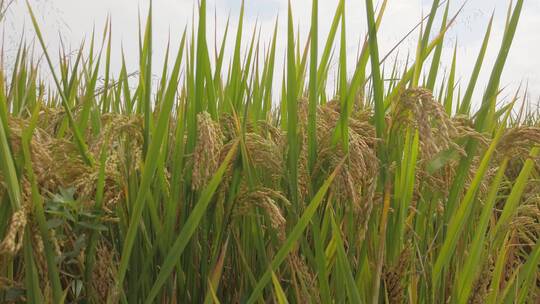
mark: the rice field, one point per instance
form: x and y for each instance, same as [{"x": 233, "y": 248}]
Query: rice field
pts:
[{"x": 213, "y": 186}]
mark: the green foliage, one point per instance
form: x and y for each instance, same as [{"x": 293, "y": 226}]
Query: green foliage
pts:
[{"x": 210, "y": 187}]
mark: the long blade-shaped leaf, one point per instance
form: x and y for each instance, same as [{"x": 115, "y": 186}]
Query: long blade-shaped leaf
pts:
[
  {"x": 83, "y": 149},
  {"x": 150, "y": 166},
  {"x": 190, "y": 226},
  {"x": 294, "y": 235}
]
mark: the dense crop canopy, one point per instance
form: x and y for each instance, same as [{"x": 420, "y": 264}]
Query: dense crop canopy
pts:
[{"x": 210, "y": 187}]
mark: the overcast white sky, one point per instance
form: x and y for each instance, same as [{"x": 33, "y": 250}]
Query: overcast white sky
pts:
[{"x": 74, "y": 19}]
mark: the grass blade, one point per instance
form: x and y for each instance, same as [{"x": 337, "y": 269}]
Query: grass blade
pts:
[
  {"x": 293, "y": 236},
  {"x": 190, "y": 226}
]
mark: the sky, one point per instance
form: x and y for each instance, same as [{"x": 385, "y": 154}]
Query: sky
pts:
[{"x": 71, "y": 21}]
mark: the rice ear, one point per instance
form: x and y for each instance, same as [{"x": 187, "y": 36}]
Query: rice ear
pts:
[
  {"x": 207, "y": 150},
  {"x": 268, "y": 200},
  {"x": 13, "y": 239},
  {"x": 418, "y": 108},
  {"x": 396, "y": 275}
]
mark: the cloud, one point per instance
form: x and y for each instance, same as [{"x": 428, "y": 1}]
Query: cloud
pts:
[
  {"x": 74, "y": 20},
  {"x": 522, "y": 64}
]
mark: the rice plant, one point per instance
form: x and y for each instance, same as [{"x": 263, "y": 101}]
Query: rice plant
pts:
[{"x": 213, "y": 186}]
